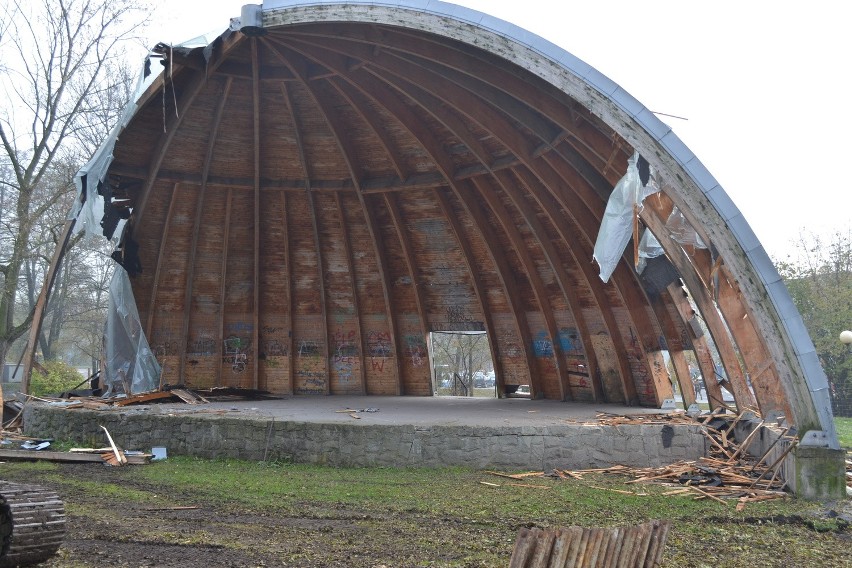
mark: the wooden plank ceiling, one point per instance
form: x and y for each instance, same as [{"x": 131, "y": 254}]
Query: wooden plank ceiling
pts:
[{"x": 309, "y": 204}]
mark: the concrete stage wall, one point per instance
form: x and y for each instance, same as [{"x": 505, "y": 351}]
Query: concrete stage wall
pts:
[{"x": 359, "y": 443}]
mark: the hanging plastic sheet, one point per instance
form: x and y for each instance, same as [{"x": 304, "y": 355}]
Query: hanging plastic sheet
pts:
[
  {"x": 649, "y": 247},
  {"x": 88, "y": 208},
  {"x": 624, "y": 204},
  {"x": 681, "y": 230},
  {"x": 131, "y": 367}
]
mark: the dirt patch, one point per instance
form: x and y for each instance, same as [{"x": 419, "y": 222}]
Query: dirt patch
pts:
[
  {"x": 106, "y": 531},
  {"x": 187, "y": 513}
]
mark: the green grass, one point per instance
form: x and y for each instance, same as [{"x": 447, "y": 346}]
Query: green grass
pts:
[
  {"x": 844, "y": 431},
  {"x": 449, "y": 491},
  {"x": 445, "y": 514}
]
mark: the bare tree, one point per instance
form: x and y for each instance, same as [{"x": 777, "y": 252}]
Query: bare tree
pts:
[
  {"x": 61, "y": 60},
  {"x": 462, "y": 355}
]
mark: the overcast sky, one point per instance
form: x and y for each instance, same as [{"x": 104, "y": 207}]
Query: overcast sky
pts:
[{"x": 762, "y": 84}]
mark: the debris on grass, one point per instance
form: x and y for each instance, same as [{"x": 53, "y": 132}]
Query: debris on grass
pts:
[{"x": 728, "y": 473}]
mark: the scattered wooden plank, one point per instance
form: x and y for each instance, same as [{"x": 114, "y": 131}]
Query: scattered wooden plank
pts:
[
  {"x": 188, "y": 396},
  {"x": 706, "y": 494},
  {"x": 727, "y": 473},
  {"x": 119, "y": 455},
  {"x": 30, "y": 455},
  {"x": 622, "y": 491},
  {"x": 508, "y": 475},
  {"x": 140, "y": 398}
]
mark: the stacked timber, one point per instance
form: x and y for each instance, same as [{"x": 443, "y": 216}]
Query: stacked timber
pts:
[{"x": 577, "y": 547}]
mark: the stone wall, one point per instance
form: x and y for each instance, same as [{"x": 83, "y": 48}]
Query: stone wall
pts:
[{"x": 572, "y": 446}]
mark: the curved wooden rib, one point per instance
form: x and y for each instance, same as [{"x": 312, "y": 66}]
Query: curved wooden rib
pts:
[
  {"x": 399, "y": 225},
  {"x": 288, "y": 260},
  {"x": 562, "y": 221},
  {"x": 449, "y": 214},
  {"x": 554, "y": 259},
  {"x": 538, "y": 287},
  {"x": 225, "y": 238},
  {"x": 350, "y": 263},
  {"x": 653, "y": 215},
  {"x": 164, "y": 240},
  {"x": 348, "y": 155},
  {"x": 196, "y": 224},
  {"x": 315, "y": 225},
  {"x": 255, "y": 98}
]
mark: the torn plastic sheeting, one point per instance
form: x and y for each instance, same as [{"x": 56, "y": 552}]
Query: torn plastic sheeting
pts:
[
  {"x": 617, "y": 224},
  {"x": 649, "y": 247},
  {"x": 681, "y": 230},
  {"x": 131, "y": 367},
  {"x": 89, "y": 206}
]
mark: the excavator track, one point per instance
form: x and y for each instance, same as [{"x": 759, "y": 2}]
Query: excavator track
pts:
[{"x": 32, "y": 524}]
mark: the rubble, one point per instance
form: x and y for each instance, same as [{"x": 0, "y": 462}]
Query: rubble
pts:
[{"x": 728, "y": 473}]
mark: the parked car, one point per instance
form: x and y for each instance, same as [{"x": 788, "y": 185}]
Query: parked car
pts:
[{"x": 483, "y": 381}]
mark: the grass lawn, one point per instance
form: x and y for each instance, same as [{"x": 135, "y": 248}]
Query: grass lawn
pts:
[
  {"x": 844, "y": 431},
  {"x": 194, "y": 512}
]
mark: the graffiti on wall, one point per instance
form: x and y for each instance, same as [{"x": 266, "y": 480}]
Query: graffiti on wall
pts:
[
  {"x": 163, "y": 343},
  {"x": 274, "y": 341},
  {"x": 378, "y": 349},
  {"x": 345, "y": 352},
  {"x": 310, "y": 382},
  {"x": 203, "y": 345},
  {"x": 415, "y": 348},
  {"x": 511, "y": 346},
  {"x": 542, "y": 345},
  {"x": 235, "y": 353}
]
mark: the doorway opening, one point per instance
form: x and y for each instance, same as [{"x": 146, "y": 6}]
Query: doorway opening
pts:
[{"x": 461, "y": 364}]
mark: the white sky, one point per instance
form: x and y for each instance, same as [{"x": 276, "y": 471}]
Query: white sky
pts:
[{"x": 764, "y": 86}]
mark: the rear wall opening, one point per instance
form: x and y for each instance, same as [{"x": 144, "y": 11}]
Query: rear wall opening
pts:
[{"x": 461, "y": 364}]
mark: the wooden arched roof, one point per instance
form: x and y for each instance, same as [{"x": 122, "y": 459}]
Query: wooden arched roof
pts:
[{"x": 313, "y": 200}]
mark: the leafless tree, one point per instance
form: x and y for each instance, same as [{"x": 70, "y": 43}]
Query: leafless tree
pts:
[
  {"x": 462, "y": 355},
  {"x": 62, "y": 59}
]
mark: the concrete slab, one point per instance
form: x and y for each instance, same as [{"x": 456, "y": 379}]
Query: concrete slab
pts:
[
  {"x": 402, "y": 432},
  {"x": 400, "y": 410}
]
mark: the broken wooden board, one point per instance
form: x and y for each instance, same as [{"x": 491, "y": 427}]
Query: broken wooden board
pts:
[
  {"x": 140, "y": 398},
  {"x": 28, "y": 455},
  {"x": 188, "y": 396}
]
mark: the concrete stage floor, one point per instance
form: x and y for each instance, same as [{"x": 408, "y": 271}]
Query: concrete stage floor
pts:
[{"x": 402, "y": 410}]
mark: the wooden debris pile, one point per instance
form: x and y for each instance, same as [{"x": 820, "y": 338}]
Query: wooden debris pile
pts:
[
  {"x": 100, "y": 403},
  {"x": 728, "y": 473},
  {"x": 110, "y": 455},
  {"x": 225, "y": 394}
]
